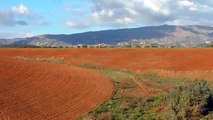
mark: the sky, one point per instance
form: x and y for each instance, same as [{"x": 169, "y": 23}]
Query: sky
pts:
[{"x": 26, "y": 18}]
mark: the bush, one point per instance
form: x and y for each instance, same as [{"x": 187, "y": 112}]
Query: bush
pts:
[
  {"x": 104, "y": 116},
  {"x": 190, "y": 102}
]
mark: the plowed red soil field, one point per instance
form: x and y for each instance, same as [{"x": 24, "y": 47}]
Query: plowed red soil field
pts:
[
  {"x": 193, "y": 63},
  {"x": 41, "y": 91},
  {"x": 135, "y": 59}
]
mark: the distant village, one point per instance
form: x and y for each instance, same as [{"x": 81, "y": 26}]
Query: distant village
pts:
[
  {"x": 141, "y": 44},
  {"x": 129, "y": 44}
]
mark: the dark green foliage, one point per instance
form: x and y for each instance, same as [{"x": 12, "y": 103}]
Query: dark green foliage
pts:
[
  {"x": 129, "y": 108},
  {"x": 211, "y": 45},
  {"x": 190, "y": 102}
]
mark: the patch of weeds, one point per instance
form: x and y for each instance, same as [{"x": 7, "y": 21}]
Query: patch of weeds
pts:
[
  {"x": 129, "y": 108},
  {"x": 209, "y": 116},
  {"x": 190, "y": 101},
  {"x": 93, "y": 67},
  {"x": 57, "y": 61},
  {"x": 158, "y": 82},
  {"x": 115, "y": 75},
  {"x": 156, "y": 100},
  {"x": 23, "y": 58},
  {"x": 51, "y": 61},
  {"x": 152, "y": 107},
  {"x": 128, "y": 86},
  {"x": 46, "y": 60}
]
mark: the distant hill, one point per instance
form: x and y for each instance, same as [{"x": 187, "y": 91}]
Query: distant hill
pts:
[{"x": 164, "y": 34}]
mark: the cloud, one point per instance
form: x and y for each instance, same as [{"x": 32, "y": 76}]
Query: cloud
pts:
[
  {"x": 22, "y": 22},
  {"x": 40, "y": 23},
  {"x": 70, "y": 23},
  {"x": 193, "y": 12},
  {"x": 15, "y": 34},
  {"x": 123, "y": 13},
  {"x": 21, "y": 9},
  {"x": 158, "y": 6},
  {"x": 7, "y": 18},
  {"x": 75, "y": 11},
  {"x": 20, "y": 15},
  {"x": 77, "y": 25}
]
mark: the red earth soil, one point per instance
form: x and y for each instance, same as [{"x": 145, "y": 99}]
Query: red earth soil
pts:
[
  {"x": 193, "y": 63},
  {"x": 37, "y": 91},
  {"x": 134, "y": 59}
]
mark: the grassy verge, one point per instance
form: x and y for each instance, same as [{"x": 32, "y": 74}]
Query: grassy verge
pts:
[
  {"x": 155, "y": 81},
  {"x": 46, "y": 60}
]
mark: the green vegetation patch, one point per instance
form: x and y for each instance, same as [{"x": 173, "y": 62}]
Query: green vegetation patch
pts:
[
  {"x": 190, "y": 102},
  {"x": 46, "y": 60},
  {"x": 154, "y": 80},
  {"x": 54, "y": 61},
  {"x": 115, "y": 75},
  {"x": 128, "y": 108}
]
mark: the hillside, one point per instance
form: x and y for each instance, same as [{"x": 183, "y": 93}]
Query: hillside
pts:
[{"x": 163, "y": 35}]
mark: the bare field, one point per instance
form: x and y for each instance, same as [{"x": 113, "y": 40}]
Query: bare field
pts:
[
  {"x": 36, "y": 91},
  {"x": 193, "y": 63}
]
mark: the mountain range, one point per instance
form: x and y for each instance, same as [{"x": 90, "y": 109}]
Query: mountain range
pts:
[{"x": 164, "y": 34}]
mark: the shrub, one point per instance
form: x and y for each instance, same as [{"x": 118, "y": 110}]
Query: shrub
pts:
[
  {"x": 104, "y": 116},
  {"x": 190, "y": 102}
]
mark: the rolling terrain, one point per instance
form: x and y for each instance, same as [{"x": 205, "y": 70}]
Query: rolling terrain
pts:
[
  {"x": 194, "y": 63},
  {"x": 36, "y": 91},
  {"x": 164, "y": 35},
  {"x": 68, "y": 83}
]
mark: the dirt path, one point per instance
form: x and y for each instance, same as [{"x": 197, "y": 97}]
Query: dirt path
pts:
[{"x": 147, "y": 91}]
